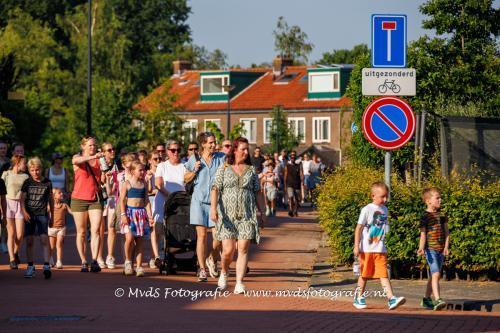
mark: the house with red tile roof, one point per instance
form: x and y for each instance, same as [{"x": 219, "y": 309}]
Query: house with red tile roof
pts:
[{"x": 312, "y": 96}]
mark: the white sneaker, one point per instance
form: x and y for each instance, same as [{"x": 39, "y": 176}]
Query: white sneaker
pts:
[
  {"x": 212, "y": 267},
  {"x": 240, "y": 288},
  {"x": 128, "y": 270},
  {"x": 110, "y": 262},
  {"x": 222, "y": 283},
  {"x": 101, "y": 263},
  {"x": 59, "y": 264},
  {"x": 139, "y": 272},
  {"x": 51, "y": 262},
  {"x": 152, "y": 263}
]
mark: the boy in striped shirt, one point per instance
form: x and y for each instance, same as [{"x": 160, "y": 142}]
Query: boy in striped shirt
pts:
[{"x": 434, "y": 241}]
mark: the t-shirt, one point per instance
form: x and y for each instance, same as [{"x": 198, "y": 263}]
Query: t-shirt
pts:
[
  {"x": 306, "y": 167},
  {"x": 14, "y": 182},
  {"x": 37, "y": 195},
  {"x": 173, "y": 176},
  {"x": 293, "y": 175},
  {"x": 60, "y": 215},
  {"x": 433, "y": 224},
  {"x": 257, "y": 163},
  {"x": 376, "y": 227}
]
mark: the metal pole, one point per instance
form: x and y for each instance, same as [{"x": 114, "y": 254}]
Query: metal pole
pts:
[
  {"x": 421, "y": 146},
  {"x": 417, "y": 143},
  {"x": 228, "y": 129},
  {"x": 387, "y": 173},
  {"x": 444, "y": 150},
  {"x": 89, "y": 71}
]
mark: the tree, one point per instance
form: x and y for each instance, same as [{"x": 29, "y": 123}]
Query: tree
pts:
[
  {"x": 291, "y": 42},
  {"x": 237, "y": 131},
  {"x": 6, "y": 128},
  {"x": 161, "y": 123},
  {"x": 212, "y": 127},
  {"x": 462, "y": 68},
  {"x": 281, "y": 134},
  {"x": 201, "y": 58},
  {"x": 344, "y": 56}
]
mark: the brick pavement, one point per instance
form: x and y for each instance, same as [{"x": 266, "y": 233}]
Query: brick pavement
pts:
[{"x": 85, "y": 302}]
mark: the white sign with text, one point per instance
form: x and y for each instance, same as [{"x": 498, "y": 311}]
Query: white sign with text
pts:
[{"x": 389, "y": 82}]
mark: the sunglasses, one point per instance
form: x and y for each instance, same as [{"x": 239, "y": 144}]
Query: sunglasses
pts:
[
  {"x": 227, "y": 146},
  {"x": 161, "y": 150},
  {"x": 173, "y": 151},
  {"x": 156, "y": 159},
  {"x": 191, "y": 149},
  {"x": 110, "y": 150}
]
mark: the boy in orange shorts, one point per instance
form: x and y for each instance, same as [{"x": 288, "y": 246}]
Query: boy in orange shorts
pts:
[{"x": 369, "y": 245}]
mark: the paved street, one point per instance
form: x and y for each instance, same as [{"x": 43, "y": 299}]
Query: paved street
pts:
[{"x": 86, "y": 302}]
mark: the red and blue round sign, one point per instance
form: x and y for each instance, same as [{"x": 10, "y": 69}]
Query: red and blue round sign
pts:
[{"x": 388, "y": 123}]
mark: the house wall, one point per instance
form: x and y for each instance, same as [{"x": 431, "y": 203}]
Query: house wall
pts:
[{"x": 259, "y": 116}]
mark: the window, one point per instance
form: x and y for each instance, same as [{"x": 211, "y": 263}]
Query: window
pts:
[
  {"x": 321, "y": 129},
  {"x": 190, "y": 127},
  {"x": 298, "y": 126},
  {"x": 215, "y": 121},
  {"x": 250, "y": 127},
  {"x": 323, "y": 82},
  {"x": 268, "y": 123},
  {"x": 214, "y": 84}
]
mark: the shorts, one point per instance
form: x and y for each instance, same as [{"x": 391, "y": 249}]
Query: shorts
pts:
[
  {"x": 54, "y": 232},
  {"x": 271, "y": 193},
  {"x": 138, "y": 222},
  {"x": 199, "y": 214},
  {"x": 373, "y": 265},
  {"x": 80, "y": 206},
  {"x": 38, "y": 225},
  {"x": 434, "y": 260},
  {"x": 14, "y": 209},
  {"x": 293, "y": 193}
]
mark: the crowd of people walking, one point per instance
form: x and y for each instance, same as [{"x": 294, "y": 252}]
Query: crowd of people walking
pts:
[{"x": 232, "y": 193}]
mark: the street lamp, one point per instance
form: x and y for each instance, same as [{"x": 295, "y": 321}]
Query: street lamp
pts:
[
  {"x": 228, "y": 88},
  {"x": 89, "y": 71}
]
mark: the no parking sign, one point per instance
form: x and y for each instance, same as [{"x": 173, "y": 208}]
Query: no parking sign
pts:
[{"x": 388, "y": 123}]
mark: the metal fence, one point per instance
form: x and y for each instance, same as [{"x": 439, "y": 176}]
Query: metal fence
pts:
[{"x": 468, "y": 143}]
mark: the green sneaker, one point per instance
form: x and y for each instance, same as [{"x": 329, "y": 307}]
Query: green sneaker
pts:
[
  {"x": 427, "y": 303},
  {"x": 439, "y": 305}
]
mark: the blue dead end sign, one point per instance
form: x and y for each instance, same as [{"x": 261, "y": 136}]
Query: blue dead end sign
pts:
[{"x": 388, "y": 123}]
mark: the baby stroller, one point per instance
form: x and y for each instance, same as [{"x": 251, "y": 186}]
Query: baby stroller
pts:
[{"x": 180, "y": 236}]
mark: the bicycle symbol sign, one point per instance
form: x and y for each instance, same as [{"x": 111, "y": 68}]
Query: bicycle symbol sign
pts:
[
  {"x": 388, "y": 123},
  {"x": 395, "y": 88}
]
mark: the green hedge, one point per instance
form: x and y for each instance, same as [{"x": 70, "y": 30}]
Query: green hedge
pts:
[{"x": 472, "y": 209}]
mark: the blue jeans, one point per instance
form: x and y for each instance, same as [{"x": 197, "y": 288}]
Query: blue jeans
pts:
[{"x": 435, "y": 260}]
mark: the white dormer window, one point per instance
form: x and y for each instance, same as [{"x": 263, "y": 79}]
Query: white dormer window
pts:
[
  {"x": 324, "y": 82},
  {"x": 214, "y": 84}
]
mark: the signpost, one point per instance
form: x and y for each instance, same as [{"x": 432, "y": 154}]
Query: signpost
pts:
[{"x": 388, "y": 122}]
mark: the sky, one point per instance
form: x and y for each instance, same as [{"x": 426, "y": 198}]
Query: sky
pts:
[{"x": 243, "y": 29}]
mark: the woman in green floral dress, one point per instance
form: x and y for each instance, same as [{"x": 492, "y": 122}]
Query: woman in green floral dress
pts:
[{"x": 233, "y": 208}]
